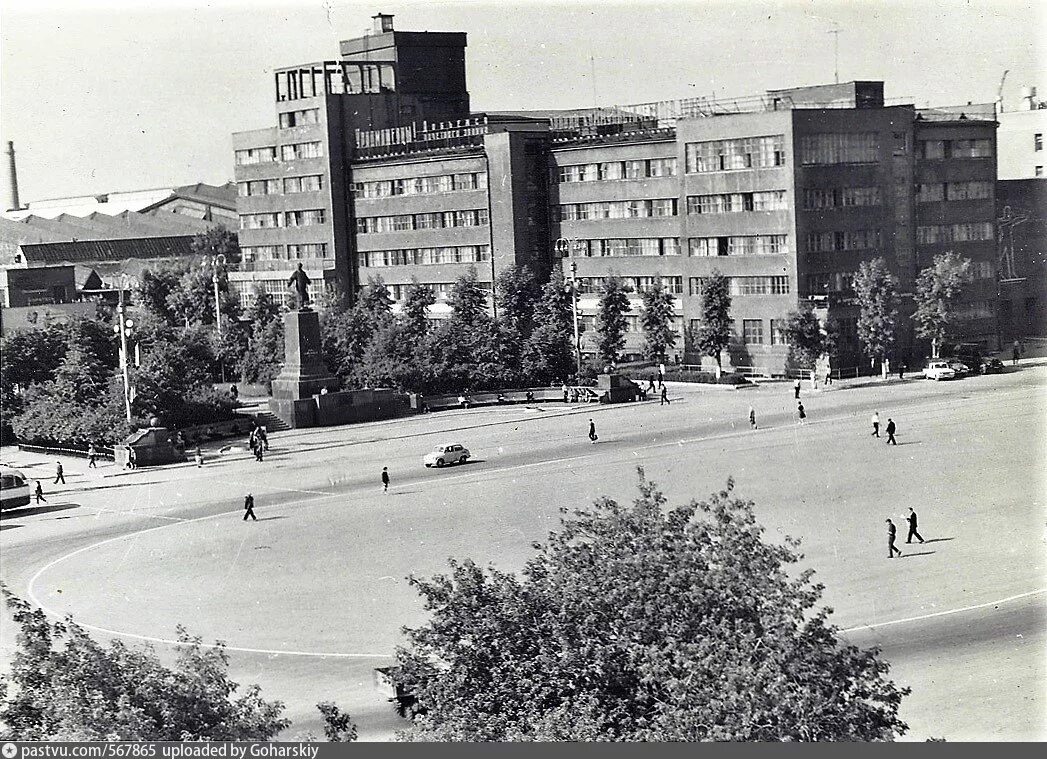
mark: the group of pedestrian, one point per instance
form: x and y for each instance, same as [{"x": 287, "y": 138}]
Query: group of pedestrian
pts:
[
  {"x": 890, "y": 429},
  {"x": 258, "y": 440},
  {"x": 892, "y": 533}
]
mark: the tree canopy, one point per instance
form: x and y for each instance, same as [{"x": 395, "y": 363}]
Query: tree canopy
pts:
[
  {"x": 656, "y": 321},
  {"x": 937, "y": 289},
  {"x": 643, "y": 622},
  {"x": 610, "y": 319},
  {"x": 806, "y": 338},
  {"x": 877, "y": 293},
  {"x": 713, "y": 335}
]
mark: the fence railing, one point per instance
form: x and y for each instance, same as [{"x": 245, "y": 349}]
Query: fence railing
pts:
[{"x": 103, "y": 451}]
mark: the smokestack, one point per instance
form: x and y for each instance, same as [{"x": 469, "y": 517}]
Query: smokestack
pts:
[{"x": 9, "y": 199}]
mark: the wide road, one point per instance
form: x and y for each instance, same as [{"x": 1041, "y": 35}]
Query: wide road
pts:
[{"x": 312, "y": 597}]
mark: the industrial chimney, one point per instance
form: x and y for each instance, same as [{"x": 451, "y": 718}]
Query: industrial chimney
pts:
[{"x": 9, "y": 198}]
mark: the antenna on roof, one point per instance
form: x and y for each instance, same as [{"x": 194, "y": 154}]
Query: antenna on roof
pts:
[
  {"x": 835, "y": 32},
  {"x": 592, "y": 69}
]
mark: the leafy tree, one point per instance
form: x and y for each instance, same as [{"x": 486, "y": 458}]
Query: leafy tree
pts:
[
  {"x": 376, "y": 302},
  {"x": 877, "y": 293},
  {"x": 264, "y": 356},
  {"x": 804, "y": 334},
  {"x": 415, "y": 312},
  {"x": 32, "y": 355},
  {"x": 263, "y": 309},
  {"x": 713, "y": 335},
  {"x": 643, "y": 623},
  {"x": 193, "y": 299},
  {"x": 338, "y": 726},
  {"x": 153, "y": 291},
  {"x": 517, "y": 294},
  {"x": 217, "y": 241},
  {"x": 68, "y": 687},
  {"x": 610, "y": 319},
  {"x": 656, "y": 320},
  {"x": 46, "y": 417},
  {"x": 548, "y": 355},
  {"x": 468, "y": 301},
  {"x": 937, "y": 289}
]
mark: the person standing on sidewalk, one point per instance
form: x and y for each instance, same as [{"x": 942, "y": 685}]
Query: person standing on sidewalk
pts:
[
  {"x": 59, "y": 473},
  {"x": 796, "y": 390},
  {"x": 912, "y": 527},
  {"x": 1016, "y": 353},
  {"x": 876, "y": 424},
  {"x": 892, "y": 533},
  {"x": 249, "y": 507},
  {"x": 891, "y": 428},
  {"x": 39, "y": 493},
  {"x": 665, "y": 397},
  {"x": 752, "y": 418},
  {"x": 385, "y": 479},
  {"x": 199, "y": 456},
  {"x": 592, "y": 432},
  {"x": 92, "y": 457}
]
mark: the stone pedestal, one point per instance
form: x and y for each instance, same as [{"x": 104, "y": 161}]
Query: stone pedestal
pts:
[{"x": 304, "y": 373}]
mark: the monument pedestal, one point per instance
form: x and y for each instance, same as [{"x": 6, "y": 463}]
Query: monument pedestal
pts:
[{"x": 304, "y": 373}]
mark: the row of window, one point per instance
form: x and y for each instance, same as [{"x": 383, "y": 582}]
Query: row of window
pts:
[
  {"x": 840, "y": 197},
  {"x": 839, "y": 147},
  {"x": 407, "y": 222},
  {"x": 939, "y": 233},
  {"x": 618, "y": 209},
  {"x": 307, "y": 218},
  {"x": 387, "y": 188},
  {"x": 441, "y": 290},
  {"x": 938, "y": 191},
  {"x": 299, "y": 118},
  {"x": 448, "y": 254},
  {"x": 633, "y": 246},
  {"x": 978, "y": 309},
  {"x": 828, "y": 242},
  {"x": 758, "y": 285},
  {"x": 673, "y": 285},
  {"x": 285, "y": 186},
  {"x": 753, "y": 334},
  {"x": 738, "y": 245},
  {"x": 737, "y": 202},
  {"x": 735, "y": 155},
  {"x": 284, "y": 252},
  {"x": 609, "y": 170},
  {"x": 291, "y": 152},
  {"x": 932, "y": 150}
]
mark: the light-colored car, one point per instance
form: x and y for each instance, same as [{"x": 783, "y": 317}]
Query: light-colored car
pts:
[
  {"x": 442, "y": 455},
  {"x": 938, "y": 370}
]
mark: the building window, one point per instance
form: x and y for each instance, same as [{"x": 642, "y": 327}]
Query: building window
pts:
[
  {"x": 828, "y": 242},
  {"x": 614, "y": 170},
  {"x": 425, "y": 256},
  {"x": 969, "y": 190},
  {"x": 307, "y": 250},
  {"x": 1038, "y": 172},
  {"x": 778, "y": 332},
  {"x": 255, "y": 155},
  {"x": 946, "y": 233},
  {"x": 816, "y": 199},
  {"x": 771, "y": 200},
  {"x": 312, "y": 183},
  {"x": 1037, "y": 142},
  {"x": 304, "y": 218},
  {"x": 299, "y": 150},
  {"x": 636, "y": 246},
  {"x": 930, "y": 193},
  {"x": 299, "y": 118},
  {"x": 970, "y": 148},
  {"x": 261, "y": 252},
  {"x": 258, "y": 187},
  {"x": 983, "y": 270},
  {"x": 735, "y": 155},
  {"x": 932, "y": 150},
  {"x": 752, "y": 331},
  {"x": 739, "y": 245},
  {"x": 259, "y": 221},
  {"x": 618, "y": 209},
  {"x": 837, "y": 148}
]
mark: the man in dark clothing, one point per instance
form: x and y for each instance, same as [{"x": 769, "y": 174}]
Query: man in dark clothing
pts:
[
  {"x": 912, "y": 527},
  {"x": 665, "y": 396},
  {"x": 796, "y": 390},
  {"x": 890, "y": 432},
  {"x": 249, "y": 507},
  {"x": 891, "y": 534},
  {"x": 59, "y": 473},
  {"x": 92, "y": 457},
  {"x": 39, "y": 493},
  {"x": 1016, "y": 353},
  {"x": 385, "y": 479},
  {"x": 592, "y": 431},
  {"x": 650, "y": 385}
]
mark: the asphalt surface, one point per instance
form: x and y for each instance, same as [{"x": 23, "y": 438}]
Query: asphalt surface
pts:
[{"x": 312, "y": 597}]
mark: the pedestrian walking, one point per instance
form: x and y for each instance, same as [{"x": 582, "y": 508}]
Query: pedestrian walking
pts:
[
  {"x": 92, "y": 457},
  {"x": 752, "y": 418},
  {"x": 801, "y": 413},
  {"x": 563, "y": 387},
  {"x": 264, "y": 437},
  {"x": 892, "y": 533},
  {"x": 665, "y": 397},
  {"x": 828, "y": 377},
  {"x": 891, "y": 429},
  {"x": 912, "y": 527},
  {"x": 1016, "y": 353},
  {"x": 876, "y": 424},
  {"x": 901, "y": 370},
  {"x": 650, "y": 385},
  {"x": 39, "y": 493},
  {"x": 258, "y": 448},
  {"x": 132, "y": 457},
  {"x": 199, "y": 456},
  {"x": 385, "y": 479},
  {"x": 59, "y": 473},
  {"x": 249, "y": 507},
  {"x": 661, "y": 375},
  {"x": 796, "y": 390},
  {"x": 592, "y": 432}
]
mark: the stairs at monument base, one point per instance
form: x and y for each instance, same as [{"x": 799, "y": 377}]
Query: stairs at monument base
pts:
[{"x": 267, "y": 419}]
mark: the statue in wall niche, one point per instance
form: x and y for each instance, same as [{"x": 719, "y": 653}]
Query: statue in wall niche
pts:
[{"x": 300, "y": 281}]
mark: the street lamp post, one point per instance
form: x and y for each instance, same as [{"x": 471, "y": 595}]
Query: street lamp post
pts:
[
  {"x": 217, "y": 261},
  {"x": 565, "y": 246},
  {"x": 123, "y": 328}
]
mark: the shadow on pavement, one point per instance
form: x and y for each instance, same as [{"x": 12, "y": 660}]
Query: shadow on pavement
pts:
[
  {"x": 266, "y": 519},
  {"x": 937, "y": 540},
  {"x": 922, "y": 553},
  {"x": 8, "y": 526},
  {"x": 45, "y": 509},
  {"x": 911, "y": 442}
]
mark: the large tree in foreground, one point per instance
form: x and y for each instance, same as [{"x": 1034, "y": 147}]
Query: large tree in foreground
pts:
[
  {"x": 644, "y": 622},
  {"x": 805, "y": 336},
  {"x": 877, "y": 291},
  {"x": 610, "y": 319},
  {"x": 937, "y": 289},
  {"x": 713, "y": 334},
  {"x": 656, "y": 321}
]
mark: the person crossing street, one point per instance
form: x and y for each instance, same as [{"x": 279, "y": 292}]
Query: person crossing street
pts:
[
  {"x": 59, "y": 473},
  {"x": 891, "y": 429},
  {"x": 912, "y": 527},
  {"x": 249, "y": 507},
  {"x": 385, "y": 479},
  {"x": 876, "y": 424},
  {"x": 592, "y": 432},
  {"x": 892, "y": 532}
]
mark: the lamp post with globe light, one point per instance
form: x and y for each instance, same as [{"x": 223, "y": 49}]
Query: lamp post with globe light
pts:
[
  {"x": 123, "y": 329},
  {"x": 565, "y": 247}
]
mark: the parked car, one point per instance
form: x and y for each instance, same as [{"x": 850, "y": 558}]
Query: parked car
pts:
[
  {"x": 443, "y": 455},
  {"x": 959, "y": 368},
  {"x": 992, "y": 366},
  {"x": 938, "y": 370}
]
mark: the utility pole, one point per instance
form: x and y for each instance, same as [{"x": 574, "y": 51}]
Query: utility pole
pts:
[
  {"x": 123, "y": 330},
  {"x": 836, "y": 52}
]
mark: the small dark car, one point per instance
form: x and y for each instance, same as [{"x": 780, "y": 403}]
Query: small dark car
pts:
[{"x": 992, "y": 366}]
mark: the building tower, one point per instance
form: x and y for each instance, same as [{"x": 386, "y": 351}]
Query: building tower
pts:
[{"x": 9, "y": 198}]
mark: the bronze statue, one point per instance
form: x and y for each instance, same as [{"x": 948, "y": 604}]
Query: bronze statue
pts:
[{"x": 300, "y": 281}]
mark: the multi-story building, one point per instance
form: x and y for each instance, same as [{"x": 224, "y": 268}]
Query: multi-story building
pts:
[
  {"x": 785, "y": 193},
  {"x": 1022, "y": 128}
]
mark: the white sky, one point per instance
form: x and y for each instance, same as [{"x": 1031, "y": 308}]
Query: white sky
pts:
[{"x": 105, "y": 96}]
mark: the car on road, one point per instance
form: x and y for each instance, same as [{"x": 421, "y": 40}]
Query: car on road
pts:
[
  {"x": 14, "y": 489},
  {"x": 961, "y": 369},
  {"x": 443, "y": 455},
  {"x": 992, "y": 366},
  {"x": 938, "y": 370}
]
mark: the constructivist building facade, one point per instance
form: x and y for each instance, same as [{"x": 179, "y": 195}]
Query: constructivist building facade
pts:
[{"x": 785, "y": 194}]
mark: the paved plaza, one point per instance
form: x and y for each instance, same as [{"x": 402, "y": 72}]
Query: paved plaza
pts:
[{"x": 312, "y": 596}]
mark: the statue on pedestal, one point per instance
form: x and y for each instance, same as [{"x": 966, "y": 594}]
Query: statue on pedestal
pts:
[{"x": 300, "y": 281}]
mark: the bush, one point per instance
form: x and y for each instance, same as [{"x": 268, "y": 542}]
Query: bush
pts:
[{"x": 673, "y": 374}]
